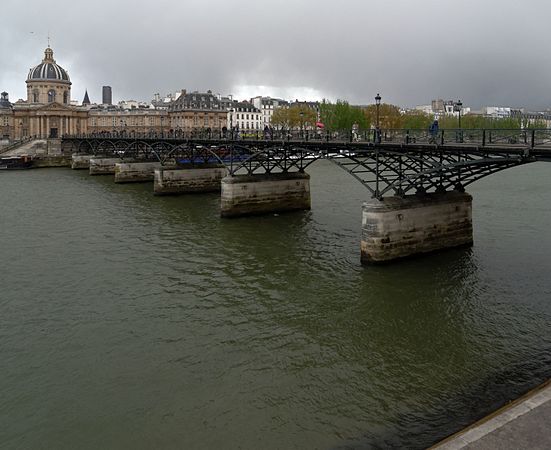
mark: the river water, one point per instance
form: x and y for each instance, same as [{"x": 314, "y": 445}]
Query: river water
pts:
[{"x": 129, "y": 321}]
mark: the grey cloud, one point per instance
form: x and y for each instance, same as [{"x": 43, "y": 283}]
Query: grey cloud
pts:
[{"x": 492, "y": 52}]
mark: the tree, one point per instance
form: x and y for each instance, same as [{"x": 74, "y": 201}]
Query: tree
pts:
[
  {"x": 297, "y": 116},
  {"x": 389, "y": 116},
  {"x": 280, "y": 118},
  {"x": 342, "y": 116},
  {"x": 416, "y": 120}
]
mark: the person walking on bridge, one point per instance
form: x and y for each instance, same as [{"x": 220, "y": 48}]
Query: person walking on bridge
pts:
[{"x": 433, "y": 131}]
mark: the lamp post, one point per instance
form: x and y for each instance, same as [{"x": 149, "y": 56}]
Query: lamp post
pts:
[
  {"x": 162, "y": 132},
  {"x": 458, "y": 108},
  {"x": 378, "y": 104},
  {"x": 231, "y": 121},
  {"x": 302, "y": 124}
]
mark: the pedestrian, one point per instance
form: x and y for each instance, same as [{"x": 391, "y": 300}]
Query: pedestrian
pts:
[{"x": 433, "y": 131}]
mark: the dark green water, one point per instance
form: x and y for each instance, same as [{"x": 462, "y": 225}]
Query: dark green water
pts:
[{"x": 129, "y": 321}]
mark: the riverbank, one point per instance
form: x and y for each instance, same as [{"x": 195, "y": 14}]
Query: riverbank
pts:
[{"x": 523, "y": 423}]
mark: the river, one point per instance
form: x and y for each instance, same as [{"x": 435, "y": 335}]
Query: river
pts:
[{"x": 129, "y": 321}]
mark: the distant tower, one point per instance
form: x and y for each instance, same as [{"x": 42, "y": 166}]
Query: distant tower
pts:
[
  {"x": 86, "y": 100},
  {"x": 107, "y": 95}
]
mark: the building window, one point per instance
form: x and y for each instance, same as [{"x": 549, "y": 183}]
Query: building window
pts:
[
  {"x": 66, "y": 97},
  {"x": 51, "y": 96}
]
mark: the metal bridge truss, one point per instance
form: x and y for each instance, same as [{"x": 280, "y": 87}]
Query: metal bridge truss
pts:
[
  {"x": 385, "y": 168},
  {"x": 395, "y": 172},
  {"x": 385, "y": 171}
]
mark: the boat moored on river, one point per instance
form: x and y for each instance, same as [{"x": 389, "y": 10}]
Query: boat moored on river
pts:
[{"x": 16, "y": 162}]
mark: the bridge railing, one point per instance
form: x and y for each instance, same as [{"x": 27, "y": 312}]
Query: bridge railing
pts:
[
  {"x": 15, "y": 144},
  {"x": 479, "y": 137}
]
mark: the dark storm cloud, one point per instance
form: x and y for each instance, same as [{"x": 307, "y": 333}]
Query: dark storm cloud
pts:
[{"x": 493, "y": 52}]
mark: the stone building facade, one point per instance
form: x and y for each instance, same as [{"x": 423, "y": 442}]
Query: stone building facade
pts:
[
  {"x": 48, "y": 113},
  {"x": 197, "y": 110},
  {"x": 6, "y": 117},
  {"x": 134, "y": 121}
]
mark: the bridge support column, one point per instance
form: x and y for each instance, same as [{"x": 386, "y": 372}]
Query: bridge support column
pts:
[
  {"x": 103, "y": 166},
  {"x": 80, "y": 162},
  {"x": 135, "y": 172},
  {"x": 188, "y": 180},
  {"x": 395, "y": 227},
  {"x": 259, "y": 194}
]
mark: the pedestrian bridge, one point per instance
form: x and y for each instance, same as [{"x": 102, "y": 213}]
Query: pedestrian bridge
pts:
[{"x": 416, "y": 180}]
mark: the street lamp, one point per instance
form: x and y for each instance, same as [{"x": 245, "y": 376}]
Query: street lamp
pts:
[
  {"x": 302, "y": 124},
  {"x": 458, "y": 108},
  {"x": 231, "y": 121},
  {"x": 162, "y": 134},
  {"x": 378, "y": 104}
]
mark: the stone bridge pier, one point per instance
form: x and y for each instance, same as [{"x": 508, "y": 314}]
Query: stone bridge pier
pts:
[
  {"x": 186, "y": 180},
  {"x": 399, "y": 227},
  {"x": 244, "y": 195},
  {"x": 136, "y": 172},
  {"x": 79, "y": 162},
  {"x": 103, "y": 166}
]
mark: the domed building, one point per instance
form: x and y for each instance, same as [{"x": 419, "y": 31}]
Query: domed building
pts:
[
  {"x": 47, "y": 113},
  {"x": 48, "y": 82}
]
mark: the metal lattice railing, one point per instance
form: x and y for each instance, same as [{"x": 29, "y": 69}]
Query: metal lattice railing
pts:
[{"x": 480, "y": 137}]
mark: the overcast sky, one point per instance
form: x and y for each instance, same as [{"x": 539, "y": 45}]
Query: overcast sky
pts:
[{"x": 484, "y": 52}]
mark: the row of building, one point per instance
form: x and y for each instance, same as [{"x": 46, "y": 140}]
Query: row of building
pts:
[
  {"x": 49, "y": 111},
  {"x": 439, "y": 108}
]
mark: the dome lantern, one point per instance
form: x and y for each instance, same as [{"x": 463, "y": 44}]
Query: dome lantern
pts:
[{"x": 48, "y": 56}]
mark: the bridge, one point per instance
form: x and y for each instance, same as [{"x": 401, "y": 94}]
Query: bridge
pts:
[{"x": 416, "y": 180}]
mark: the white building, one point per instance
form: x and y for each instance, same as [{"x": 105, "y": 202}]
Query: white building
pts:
[
  {"x": 245, "y": 117},
  {"x": 267, "y": 106},
  {"x": 496, "y": 112},
  {"x": 427, "y": 109},
  {"x": 133, "y": 104},
  {"x": 440, "y": 108},
  {"x": 159, "y": 102}
]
